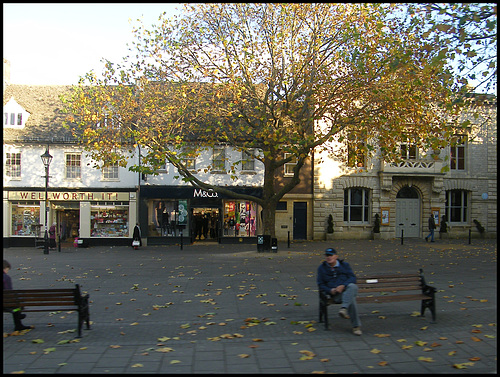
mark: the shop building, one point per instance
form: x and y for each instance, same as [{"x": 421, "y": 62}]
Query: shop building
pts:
[{"x": 99, "y": 206}]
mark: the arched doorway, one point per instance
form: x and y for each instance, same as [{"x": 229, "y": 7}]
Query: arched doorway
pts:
[{"x": 408, "y": 212}]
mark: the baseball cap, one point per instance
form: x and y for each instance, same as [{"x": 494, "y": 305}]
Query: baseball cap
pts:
[{"x": 330, "y": 251}]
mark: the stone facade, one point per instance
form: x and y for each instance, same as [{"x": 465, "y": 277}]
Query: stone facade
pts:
[{"x": 430, "y": 180}]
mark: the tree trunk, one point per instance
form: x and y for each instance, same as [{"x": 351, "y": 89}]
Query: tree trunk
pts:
[{"x": 268, "y": 219}]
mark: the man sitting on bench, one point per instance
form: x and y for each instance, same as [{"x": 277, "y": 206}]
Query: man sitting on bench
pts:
[{"x": 336, "y": 278}]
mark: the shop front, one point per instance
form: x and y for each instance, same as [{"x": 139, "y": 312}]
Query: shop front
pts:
[
  {"x": 170, "y": 213},
  {"x": 93, "y": 217}
]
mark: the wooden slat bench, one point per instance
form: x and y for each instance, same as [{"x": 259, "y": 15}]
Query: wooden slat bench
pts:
[
  {"x": 47, "y": 300},
  {"x": 388, "y": 288}
]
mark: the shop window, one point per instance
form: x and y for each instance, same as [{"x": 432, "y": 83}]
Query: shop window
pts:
[
  {"x": 13, "y": 165},
  {"x": 164, "y": 218},
  {"x": 26, "y": 220},
  {"x": 356, "y": 205},
  {"x": 73, "y": 166},
  {"x": 239, "y": 218},
  {"x": 109, "y": 220},
  {"x": 456, "y": 206}
]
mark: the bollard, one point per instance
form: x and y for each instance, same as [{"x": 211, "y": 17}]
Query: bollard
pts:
[
  {"x": 470, "y": 232},
  {"x": 402, "y": 230},
  {"x": 288, "y": 239},
  {"x": 59, "y": 243},
  {"x": 181, "y": 240}
]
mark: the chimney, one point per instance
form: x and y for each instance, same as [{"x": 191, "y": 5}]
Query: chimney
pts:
[{"x": 6, "y": 73}]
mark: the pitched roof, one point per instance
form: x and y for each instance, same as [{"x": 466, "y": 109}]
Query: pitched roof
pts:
[{"x": 45, "y": 123}]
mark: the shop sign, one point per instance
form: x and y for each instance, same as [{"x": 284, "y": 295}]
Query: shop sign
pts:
[
  {"x": 199, "y": 193},
  {"x": 69, "y": 196}
]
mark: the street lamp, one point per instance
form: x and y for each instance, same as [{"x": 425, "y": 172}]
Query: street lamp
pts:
[{"x": 46, "y": 159}]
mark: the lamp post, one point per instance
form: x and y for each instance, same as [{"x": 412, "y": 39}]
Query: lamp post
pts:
[{"x": 46, "y": 159}]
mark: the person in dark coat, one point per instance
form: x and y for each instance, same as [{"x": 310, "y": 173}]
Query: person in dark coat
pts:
[
  {"x": 137, "y": 234},
  {"x": 432, "y": 226},
  {"x": 52, "y": 236},
  {"x": 336, "y": 279},
  {"x": 16, "y": 312}
]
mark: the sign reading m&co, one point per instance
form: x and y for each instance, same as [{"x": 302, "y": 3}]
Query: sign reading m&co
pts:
[{"x": 69, "y": 196}]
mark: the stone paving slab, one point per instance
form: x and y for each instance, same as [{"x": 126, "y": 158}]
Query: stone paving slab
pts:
[{"x": 228, "y": 309}]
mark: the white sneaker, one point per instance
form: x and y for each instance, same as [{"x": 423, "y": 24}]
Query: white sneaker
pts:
[
  {"x": 357, "y": 331},
  {"x": 343, "y": 313}
]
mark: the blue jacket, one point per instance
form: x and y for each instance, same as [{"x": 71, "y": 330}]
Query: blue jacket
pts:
[{"x": 327, "y": 279}]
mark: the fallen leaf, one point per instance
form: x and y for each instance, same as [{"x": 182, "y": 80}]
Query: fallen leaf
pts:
[
  {"x": 137, "y": 366},
  {"x": 476, "y": 339},
  {"x": 382, "y": 335},
  {"x": 244, "y": 355},
  {"x": 426, "y": 359},
  {"x": 375, "y": 351},
  {"x": 175, "y": 361},
  {"x": 38, "y": 341},
  {"x": 382, "y": 363}
]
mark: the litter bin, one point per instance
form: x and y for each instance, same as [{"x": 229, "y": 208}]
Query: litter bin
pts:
[
  {"x": 274, "y": 245},
  {"x": 263, "y": 243}
]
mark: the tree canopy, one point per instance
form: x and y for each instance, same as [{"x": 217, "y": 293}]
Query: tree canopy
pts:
[{"x": 281, "y": 78}]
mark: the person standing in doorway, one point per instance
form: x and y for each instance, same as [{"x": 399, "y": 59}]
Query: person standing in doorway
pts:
[{"x": 432, "y": 226}]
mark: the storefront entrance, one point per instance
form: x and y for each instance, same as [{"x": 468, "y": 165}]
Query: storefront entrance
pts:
[
  {"x": 69, "y": 224},
  {"x": 205, "y": 224}
]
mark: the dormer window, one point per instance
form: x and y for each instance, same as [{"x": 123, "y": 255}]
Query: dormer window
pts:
[{"x": 14, "y": 115}]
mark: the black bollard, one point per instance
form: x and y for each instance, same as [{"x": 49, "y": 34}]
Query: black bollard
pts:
[
  {"x": 59, "y": 243},
  {"x": 402, "y": 230},
  {"x": 288, "y": 239},
  {"x": 470, "y": 237},
  {"x": 181, "y": 240}
]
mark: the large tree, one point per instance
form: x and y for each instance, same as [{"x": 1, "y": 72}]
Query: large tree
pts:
[
  {"x": 467, "y": 33},
  {"x": 262, "y": 76}
]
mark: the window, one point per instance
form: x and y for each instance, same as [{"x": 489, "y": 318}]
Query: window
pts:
[
  {"x": 73, "y": 166},
  {"x": 219, "y": 158},
  {"x": 110, "y": 172},
  {"x": 13, "y": 119},
  {"x": 457, "y": 155},
  {"x": 356, "y": 205},
  {"x": 355, "y": 154},
  {"x": 289, "y": 166},
  {"x": 26, "y": 219},
  {"x": 281, "y": 206},
  {"x": 408, "y": 151},
  {"x": 13, "y": 165},
  {"x": 247, "y": 160},
  {"x": 456, "y": 206}
]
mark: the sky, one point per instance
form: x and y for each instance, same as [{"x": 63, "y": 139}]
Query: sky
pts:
[{"x": 56, "y": 43}]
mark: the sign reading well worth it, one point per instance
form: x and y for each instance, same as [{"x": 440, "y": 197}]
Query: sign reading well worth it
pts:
[{"x": 67, "y": 196}]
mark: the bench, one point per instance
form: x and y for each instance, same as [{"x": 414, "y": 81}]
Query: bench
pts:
[
  {"x": 45, "y": 300},
  {"x": 388, "y": 288}
]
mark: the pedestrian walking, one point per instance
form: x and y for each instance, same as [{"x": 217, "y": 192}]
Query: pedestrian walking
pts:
[
  {"x": 136, "y": 237},
  {"x": 432, "y": 226}
]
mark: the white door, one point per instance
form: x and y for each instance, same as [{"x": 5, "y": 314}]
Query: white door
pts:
[{"x": 408, "y": 217}]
